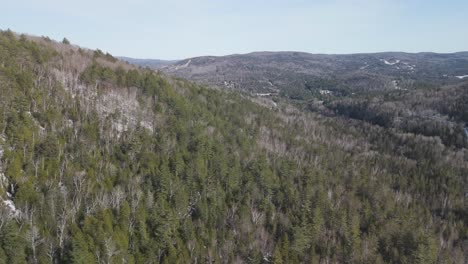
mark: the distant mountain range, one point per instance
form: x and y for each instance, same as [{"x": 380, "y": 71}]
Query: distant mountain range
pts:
[
  {"x": 299, "y": 75},
  {"x": 150, "y": 63}
]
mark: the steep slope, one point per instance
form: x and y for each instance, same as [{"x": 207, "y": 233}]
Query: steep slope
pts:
[
  {"x": 104, "y": 162},
  {"x": 439, "y": 111},
  {"x": 301, "y": 75}
]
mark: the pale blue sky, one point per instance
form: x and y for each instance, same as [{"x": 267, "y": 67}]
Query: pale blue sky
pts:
[{"x": 185, "y": 28}]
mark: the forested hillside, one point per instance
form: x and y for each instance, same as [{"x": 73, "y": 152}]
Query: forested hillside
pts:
[
  {"x": 302, "y": 76},
  {"x": 103, "y": 162}
]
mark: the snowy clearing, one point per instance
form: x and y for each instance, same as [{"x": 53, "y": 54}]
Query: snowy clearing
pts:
[
  {"x": 184, "y": 66},
  {"x": 324, "y": 92},
  {"x": 263, "y": 94},
  {"x": 390, "y": 63}
]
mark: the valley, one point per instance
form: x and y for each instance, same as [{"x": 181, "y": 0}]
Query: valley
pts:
[{"x": 260, "y": 158}]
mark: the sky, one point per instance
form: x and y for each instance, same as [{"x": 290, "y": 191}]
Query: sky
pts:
[{"x": 180, "y": 29}]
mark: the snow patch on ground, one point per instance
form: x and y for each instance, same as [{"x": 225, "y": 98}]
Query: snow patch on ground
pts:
[
  {"x": 390, "y": 63},
  {"x": 183, "y": 66},
  {"x": 3, "y": 179},
  {"x": 230, "y": 84},
  {"x": 325, "y": 92},
  {"x": 461, "y": 77},
  {"x": 409, "y": 66},
  {"x": 400, "y": 65},
  {"x": 11, "y": 205}
]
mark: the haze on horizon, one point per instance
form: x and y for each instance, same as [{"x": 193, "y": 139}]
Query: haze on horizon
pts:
[{"x": 184, "y": 28}]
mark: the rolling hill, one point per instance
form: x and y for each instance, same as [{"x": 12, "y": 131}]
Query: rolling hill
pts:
[
  {"x": 105, "y": 162},
  {"x": 301, "y": 75},
  {"x": 150, "y": 63}
]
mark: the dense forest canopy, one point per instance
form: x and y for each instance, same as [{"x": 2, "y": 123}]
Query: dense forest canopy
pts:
[{"x": 104, "y": 162}]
